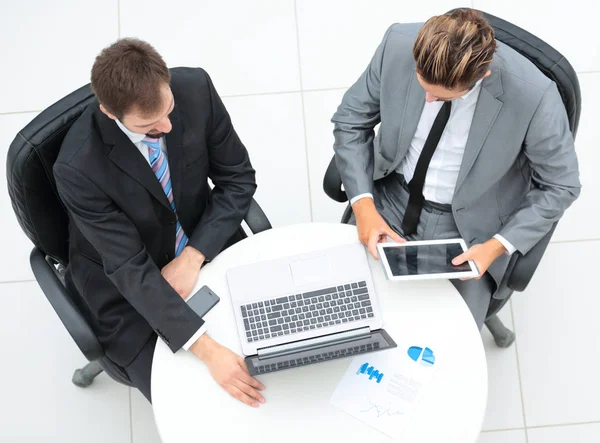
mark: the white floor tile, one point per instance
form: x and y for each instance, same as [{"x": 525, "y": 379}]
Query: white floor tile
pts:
[
  {"x": 504, "y": 409},
  {"x": 319, "y": 107},
  {"x": 570, "y": 30},
  {"x": 14, "y": 266},
  {"x": 580, "y": 220},
  {"x": 270, "y": 126},
  {"x": 40, "y": 404},
  {"x": 339, "y": 37},
  {"x": 588, "y": 433},
  {"x": 503, "y": 437},
  {"x": 143, "y": 427},
  {"x": 558, "y": 336},
  {"x": 48, "y": 48},
  {"x": 246, "y": 47}
]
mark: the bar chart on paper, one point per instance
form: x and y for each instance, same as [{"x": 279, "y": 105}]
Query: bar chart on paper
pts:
[
  {"x": 371, "y": 372},
  {"x": 382, "y": 391}
]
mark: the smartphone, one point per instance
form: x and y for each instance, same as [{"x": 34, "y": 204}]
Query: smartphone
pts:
[{"x": 203, "y": 301}]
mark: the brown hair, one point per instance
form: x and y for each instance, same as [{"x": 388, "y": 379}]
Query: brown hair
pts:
[
  {"x": 454, "y": 50},
  {"x": 129, "y": 74}
]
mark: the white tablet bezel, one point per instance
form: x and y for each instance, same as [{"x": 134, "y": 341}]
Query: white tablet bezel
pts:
[{"x": 448, "y": 275}]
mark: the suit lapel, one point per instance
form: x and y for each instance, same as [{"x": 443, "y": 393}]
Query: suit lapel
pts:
[
  {"x": 174, "y": 141},
  {"x": 486, "y": 111},
  {"x": 127, "y": 158},
  {"x": 413, "y": 108}
]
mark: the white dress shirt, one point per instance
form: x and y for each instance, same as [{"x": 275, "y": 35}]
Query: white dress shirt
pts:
[
  {"x": 136, "y": 139},
  {"x": 442, "y": 173}
]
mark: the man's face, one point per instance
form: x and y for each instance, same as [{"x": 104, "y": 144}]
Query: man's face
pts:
[{"x": 154, "y": 126}]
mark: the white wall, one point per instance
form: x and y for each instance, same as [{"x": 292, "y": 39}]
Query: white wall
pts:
[{"x": 282, "y": 67}]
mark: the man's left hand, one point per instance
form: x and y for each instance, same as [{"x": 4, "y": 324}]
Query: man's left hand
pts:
[
  {"x": 182, "y": 272},
  {"x": 482, "y": 254}
]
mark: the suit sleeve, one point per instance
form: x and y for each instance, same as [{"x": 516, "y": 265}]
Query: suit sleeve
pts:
[
  {"x": 551, "y": 154},
  {"x": 354, "y": 121},
  {"x": 124, "y": 257},
  {"x": 233, "y": 178}
]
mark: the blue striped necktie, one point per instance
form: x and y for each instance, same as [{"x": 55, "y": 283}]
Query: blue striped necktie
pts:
[{"x": 160, "y": 166}]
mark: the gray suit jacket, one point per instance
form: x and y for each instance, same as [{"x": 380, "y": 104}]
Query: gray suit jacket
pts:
[{"x": 519, "y": 171}]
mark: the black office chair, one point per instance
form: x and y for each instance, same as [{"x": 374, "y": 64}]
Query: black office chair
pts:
[
  {"x": 556, "y": 67},
  {"x": 42, "y": 217}
]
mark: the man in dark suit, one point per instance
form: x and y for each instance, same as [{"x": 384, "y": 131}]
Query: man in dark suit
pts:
[{"x": 133, "y": 173}]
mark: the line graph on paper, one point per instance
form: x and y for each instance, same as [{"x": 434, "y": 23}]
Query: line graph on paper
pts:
[{"x": 381, "y": 410}]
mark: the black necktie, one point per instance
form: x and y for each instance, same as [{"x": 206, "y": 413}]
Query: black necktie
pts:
[{"x": 415, "y": 201}]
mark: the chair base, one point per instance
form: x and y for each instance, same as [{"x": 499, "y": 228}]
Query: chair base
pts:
[
  {"x": 503, "y": 336},
  {"x": 85, "y": 376}
]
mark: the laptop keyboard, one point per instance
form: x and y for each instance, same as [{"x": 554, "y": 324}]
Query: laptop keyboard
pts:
[
  {"x": 296, "y": 313},
  {"x": 324, "y": 356}
]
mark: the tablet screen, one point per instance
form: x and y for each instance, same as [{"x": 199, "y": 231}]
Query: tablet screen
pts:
[{"x": 424, "y": 259}]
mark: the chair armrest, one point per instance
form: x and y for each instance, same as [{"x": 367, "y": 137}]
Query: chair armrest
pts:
[
  {"x": 256, "y": 219},
  {"x": 526, "y": 265},
  {"x": 332, "y": 183},
  {"x": 65, "y": 307}
]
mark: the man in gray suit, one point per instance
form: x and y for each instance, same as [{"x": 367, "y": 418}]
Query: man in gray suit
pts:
[{"x": 474, "y": 142}]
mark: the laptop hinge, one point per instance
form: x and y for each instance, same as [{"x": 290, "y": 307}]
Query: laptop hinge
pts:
[{"x": 313, "y": 343}]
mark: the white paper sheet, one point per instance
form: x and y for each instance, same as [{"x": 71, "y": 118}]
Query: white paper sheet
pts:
[{"x": 382, "y": 388}]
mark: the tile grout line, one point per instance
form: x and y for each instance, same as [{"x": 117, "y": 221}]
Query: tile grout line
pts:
[
  {"x": 310, "y": 201},
  {"x": 293, "y": 91},
  {"x": 252, "y": 94},
  {"x": 512, "y": 313},
  {"x": 502, "y": 430},
  {"x": 557, "y": 425},
  {"x": 562, "y": 425},
  {"x": 17, "y": 281},
  {"x": 337, "y": 88},
  {"x": 130, "y": 417},
  {"x": 558, "y": 242},
  {"x": 20, "y": 112}
]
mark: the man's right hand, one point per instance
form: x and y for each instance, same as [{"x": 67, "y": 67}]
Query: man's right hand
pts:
[
  {"x": 372, "y": 228},
  {"x": 229, "y": 371}
]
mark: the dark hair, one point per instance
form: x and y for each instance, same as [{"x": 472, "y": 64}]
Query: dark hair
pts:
[
  {"x": 454, "y": 50},
  {"x": 128, "y": 74}
]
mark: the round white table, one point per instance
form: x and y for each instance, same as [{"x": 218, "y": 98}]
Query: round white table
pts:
[{"x": 190, "y": 407}]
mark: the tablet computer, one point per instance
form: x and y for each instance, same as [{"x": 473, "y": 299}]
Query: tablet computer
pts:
[{"x": 425, "y": 260}]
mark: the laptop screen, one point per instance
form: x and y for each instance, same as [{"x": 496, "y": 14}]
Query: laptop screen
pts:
[{"x": 377, "y": 341}]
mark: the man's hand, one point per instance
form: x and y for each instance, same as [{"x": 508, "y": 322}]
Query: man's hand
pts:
[
  {"x": 372, "y": 228},
  {"x": 229, "y": 371},
  {"x": 182, "y": 272},
  {"x": 482, "y": 254}
]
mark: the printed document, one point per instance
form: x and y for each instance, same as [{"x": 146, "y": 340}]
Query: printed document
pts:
[{"x": 382, "y": 388}]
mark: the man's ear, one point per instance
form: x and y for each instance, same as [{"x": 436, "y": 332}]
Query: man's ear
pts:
[{"x": 108, "y": 114}]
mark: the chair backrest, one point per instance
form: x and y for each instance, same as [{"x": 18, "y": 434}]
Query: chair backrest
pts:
[
  {"x": 31, "y": 184},
  {"x": 547, "y": 59}
]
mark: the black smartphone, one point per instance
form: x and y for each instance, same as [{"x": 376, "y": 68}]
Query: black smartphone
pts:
[{"x": 203, "y": 301}]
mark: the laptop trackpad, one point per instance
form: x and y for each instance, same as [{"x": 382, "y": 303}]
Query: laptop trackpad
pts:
[{"x": 312, "y": 270}]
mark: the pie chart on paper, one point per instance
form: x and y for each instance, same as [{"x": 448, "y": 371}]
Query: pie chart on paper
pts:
[{"x": 422, "y": 356}]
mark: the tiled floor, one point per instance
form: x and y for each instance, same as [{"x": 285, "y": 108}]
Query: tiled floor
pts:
[{"x": 282, "y": 67}]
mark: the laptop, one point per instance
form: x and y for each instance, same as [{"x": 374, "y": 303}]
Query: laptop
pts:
[{"x": 306, "y": 309}]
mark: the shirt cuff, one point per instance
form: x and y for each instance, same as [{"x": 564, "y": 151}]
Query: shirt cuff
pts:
[
  {"x": 195, "y": 337},
  {"x": 510, "y": 249},
  {"x": 359, "y": 196}
]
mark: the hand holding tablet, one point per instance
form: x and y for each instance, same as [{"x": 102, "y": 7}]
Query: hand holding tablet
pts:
[{"x": 425, "y": 260}]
